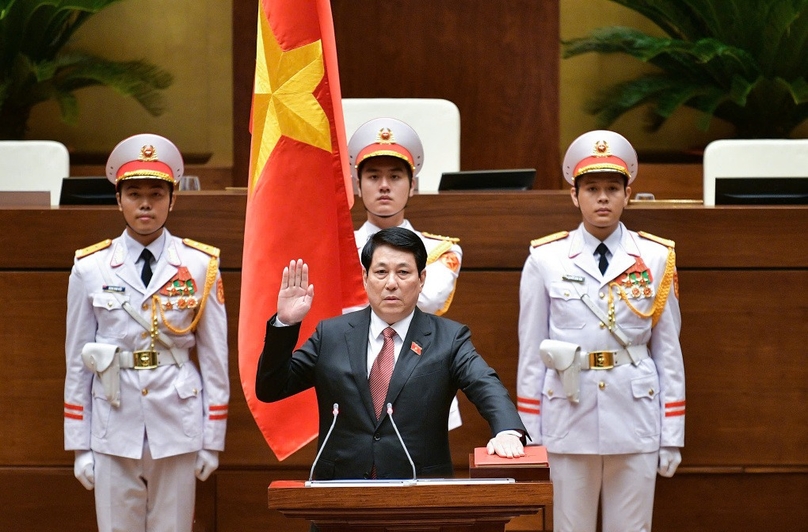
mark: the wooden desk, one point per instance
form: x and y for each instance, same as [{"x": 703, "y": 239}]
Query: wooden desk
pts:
[{"x": 472, "y": 507}]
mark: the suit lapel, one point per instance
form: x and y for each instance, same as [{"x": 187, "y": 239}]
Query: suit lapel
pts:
[
  {"x": 356, "y": 342},
  {"x": 419, "y": 333}
]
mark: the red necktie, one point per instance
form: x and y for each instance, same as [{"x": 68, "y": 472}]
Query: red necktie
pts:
[{"x": 381, "y": 371}]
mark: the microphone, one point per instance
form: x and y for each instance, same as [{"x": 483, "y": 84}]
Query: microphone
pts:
[
  {"x": 390, "y": 415},
  {"x": 335, "y": 411}
]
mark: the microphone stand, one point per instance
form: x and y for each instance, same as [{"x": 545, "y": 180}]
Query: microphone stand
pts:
[
  {"x": 335, "y": 411},
  {"x": 400, "y": 439}
]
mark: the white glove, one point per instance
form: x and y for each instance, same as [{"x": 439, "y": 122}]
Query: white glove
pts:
[
  {"x": 83, "y": 468},
  {"x": 206, "y": 463},
  {"x": 669, "y": 460}
]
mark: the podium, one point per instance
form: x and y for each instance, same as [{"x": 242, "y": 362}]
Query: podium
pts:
[{"x": 452, "y": 506}]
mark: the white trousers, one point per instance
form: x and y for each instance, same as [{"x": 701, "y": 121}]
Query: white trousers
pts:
[
  {"x": 145, "y": 495},
  {"x": 624, "y": 483}
]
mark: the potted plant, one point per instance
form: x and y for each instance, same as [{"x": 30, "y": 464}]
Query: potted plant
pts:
[
  {"x": 36, "y": 64},
  {"x": 743, "y": 61}
]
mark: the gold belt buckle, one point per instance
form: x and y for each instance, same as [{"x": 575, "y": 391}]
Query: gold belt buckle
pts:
[
  {"x": 145, "y": 359},
  {"x": 601, "y": 360}
]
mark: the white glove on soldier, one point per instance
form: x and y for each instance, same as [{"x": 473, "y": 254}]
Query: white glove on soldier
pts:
[
  {"x": 83, "y": 468},
  {"x": 669, "y": 460},
  {"x": 206, "y": 463}
]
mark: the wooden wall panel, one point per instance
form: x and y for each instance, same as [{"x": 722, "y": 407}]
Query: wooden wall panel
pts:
[
  {"x": 45, "y": 499},
  {"x": 242, "y": 501},
  {"x": 497, "y": 61},
  {"x": 747, "y": 425},
  {"x": 731, "y": 503},
  {"x": 32, "y": 327},
  {"x": 746, "y": 395}
]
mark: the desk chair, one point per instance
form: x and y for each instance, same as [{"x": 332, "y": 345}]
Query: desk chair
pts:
[
  {"x": 34, "y": 165},
  {"x": 774, "y": 159}
]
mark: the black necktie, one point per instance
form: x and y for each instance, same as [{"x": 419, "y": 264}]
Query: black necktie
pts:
[
  {"x": 146, "y": 273},
  {"x": 603, "y": 263}
]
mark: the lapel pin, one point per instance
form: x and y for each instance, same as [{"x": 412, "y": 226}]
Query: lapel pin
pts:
[{"x": 416, "y": 348}]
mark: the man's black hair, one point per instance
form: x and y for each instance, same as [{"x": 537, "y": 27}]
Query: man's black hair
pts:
[{"x": 397, "y": 238}]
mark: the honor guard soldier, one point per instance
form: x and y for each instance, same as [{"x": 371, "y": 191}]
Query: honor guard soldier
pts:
[
  {"x": 143, "y": 419},
  {"x": 601, "y": 379},
  {"x": 386, "y": 155}
]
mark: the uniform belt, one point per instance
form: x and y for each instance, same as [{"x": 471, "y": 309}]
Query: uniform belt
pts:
[
  {"x": 609, "y": 359},
  {"x": 151, "y": 359}
]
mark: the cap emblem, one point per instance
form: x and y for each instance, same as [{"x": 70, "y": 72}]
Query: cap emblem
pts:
[
  {"x": 385, "y": 136},
  {"x": 602, "y": 149},
  {"x": 148, "y": 153}
]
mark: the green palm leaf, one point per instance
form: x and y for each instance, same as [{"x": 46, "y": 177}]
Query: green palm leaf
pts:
[
  {"x": 744, "y": 61},
  {"x": 35, "y": 66}
]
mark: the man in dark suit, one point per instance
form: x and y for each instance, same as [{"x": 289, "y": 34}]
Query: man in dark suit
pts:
[{"x": 426, "y": 358}]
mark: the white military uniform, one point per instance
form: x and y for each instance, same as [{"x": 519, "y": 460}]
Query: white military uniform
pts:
[
  {"x": 168, "y": 411},
  {"x": 627, "y": 410},
  {"x": 444, "y": 257}
]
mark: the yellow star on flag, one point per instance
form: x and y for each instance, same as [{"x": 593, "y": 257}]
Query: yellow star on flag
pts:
[{"x": 284, "y": 103}]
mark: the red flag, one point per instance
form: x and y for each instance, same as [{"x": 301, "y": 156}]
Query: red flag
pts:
[{"x": 299, "y": 198}]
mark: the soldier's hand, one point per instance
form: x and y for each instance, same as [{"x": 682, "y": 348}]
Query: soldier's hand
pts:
[
  {"x": 296, "y": 294},
  {"x": 669, "y": 460},
  {"x": 83, "y": 468},
  {"x": 206, "y": 463}
]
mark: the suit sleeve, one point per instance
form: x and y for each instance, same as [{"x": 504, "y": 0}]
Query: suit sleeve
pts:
[
  {"x": 482, "y": 386},
  {"x": 534, "y": 316},
  {"x": 283, "y": 372}
]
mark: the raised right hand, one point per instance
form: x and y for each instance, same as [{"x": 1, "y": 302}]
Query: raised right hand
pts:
[{"x": 296, "y": 294}]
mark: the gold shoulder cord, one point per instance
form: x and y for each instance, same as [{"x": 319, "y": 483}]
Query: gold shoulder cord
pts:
[
  {"x": 661, "y": 297},
  {"x": 441, "y": 248},
  {"x": 210, "y": 279}
]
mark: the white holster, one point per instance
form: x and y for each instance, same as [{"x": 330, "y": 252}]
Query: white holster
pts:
[
  {"x": 565, "y": 358},
  {"x": 103, "y": 360}
]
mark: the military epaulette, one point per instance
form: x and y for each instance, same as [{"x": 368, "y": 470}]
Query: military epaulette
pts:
[
  {"x": 441, "y": 237},
  {"x": 204, "y": 248},
  {"x": 549, "y": 238},
  {"x": 89, "y": 250},
  {"x": 659, "y": 240}
]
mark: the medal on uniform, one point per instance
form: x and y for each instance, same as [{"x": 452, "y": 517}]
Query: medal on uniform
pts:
[
  {"x": 180, "y": 291},
  {"x": 637, "y": 281}
]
